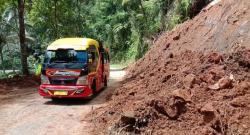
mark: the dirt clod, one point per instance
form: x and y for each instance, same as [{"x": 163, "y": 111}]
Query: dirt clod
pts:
[
  {"x": 183, "y": 94},
  {"x": 215, "y": 58},
  {"x": 177, "y": 37},
  {"x": 189, "y": 81},
  {"x": 208, "y": 113},
  {"x": 128, "y": 118},
  {"x": 225, "y": 82}
]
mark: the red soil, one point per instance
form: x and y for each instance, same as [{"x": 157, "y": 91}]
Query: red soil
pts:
[
  {"x": 194, "y": 80},
  {"x": 17, "y": 82}
]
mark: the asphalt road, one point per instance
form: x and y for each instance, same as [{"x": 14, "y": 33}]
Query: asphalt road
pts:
[{"x": 30, "y": 114}]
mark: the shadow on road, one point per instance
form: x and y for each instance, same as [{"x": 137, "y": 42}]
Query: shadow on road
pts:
[
  {"x": 117, "y": 69},
  {"x": 100, "y": 98},
  {"x": 68, "y": 102}
]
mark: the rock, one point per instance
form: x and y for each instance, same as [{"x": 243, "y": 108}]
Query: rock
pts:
[
  {"x": 131, "y": 123},
  {"x": 214, "y": 87},
  {"x": 244, "y": 59},
  {"x": 231, "y": 77},
  {"x": 208, "y": 112},
  {"x": 239, "y": 102},
  {"x": 177, "y": 37},
  {"x": 208, "y": 78},
  {"x": 183, "y": 94},
  {"x": 189, "y": 81},
  {"x": 141, "y": 76},
  {"x": 218, "y": 71},
  {"x": 207, "y": 108},
  {"x": 128, "y": 118},
  {"x": 206, "y": 130},
  {"x": 245, "y": 85},
  {"x": 215, "y": 58},
  {"x": 225, "y": 82},
  {"x": 160, "y": 107},
  {"x": 172, "y": 108}
]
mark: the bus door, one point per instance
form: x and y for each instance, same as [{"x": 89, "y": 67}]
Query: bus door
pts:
[{"x": 94, "y": 66}]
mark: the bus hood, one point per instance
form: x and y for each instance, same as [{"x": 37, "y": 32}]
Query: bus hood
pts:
[
  {"x": 65, "y": 69},
  {"x": 65, "y": 65}
]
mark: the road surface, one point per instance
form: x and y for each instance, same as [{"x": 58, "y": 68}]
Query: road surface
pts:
[{"x": 30, "y": 114}]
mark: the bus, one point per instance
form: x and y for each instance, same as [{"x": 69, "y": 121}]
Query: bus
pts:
[{"x": 74, "y": 68}]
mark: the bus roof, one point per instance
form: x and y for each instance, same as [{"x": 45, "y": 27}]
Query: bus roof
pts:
[{"x": 73, "y": 43}]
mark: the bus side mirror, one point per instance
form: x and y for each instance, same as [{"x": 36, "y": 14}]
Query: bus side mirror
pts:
[
  {"x": 36, "y": 56},
  {"x": 90, "y": 58}
]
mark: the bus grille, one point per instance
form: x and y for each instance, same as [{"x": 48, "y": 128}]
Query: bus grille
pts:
[{"x": 56, "y": 81}]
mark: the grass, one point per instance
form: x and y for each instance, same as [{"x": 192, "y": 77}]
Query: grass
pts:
[
  {"x": 121, "y": 65},
  {"x": 117, "y": 66},
  {"x": 9, "y": 74}
]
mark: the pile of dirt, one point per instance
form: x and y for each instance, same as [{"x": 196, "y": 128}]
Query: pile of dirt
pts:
[
  {"x": 194, "y": 80},
  {"x": 17, "y": 82},
  {"x": 187, "y": 93}
]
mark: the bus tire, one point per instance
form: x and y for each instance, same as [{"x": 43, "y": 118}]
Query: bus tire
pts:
[
  {"x": 93, "y": 87},
  {"x": 105, "y": 82}
]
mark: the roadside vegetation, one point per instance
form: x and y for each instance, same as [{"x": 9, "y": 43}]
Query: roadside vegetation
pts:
[{"x": 127, "y": 27}]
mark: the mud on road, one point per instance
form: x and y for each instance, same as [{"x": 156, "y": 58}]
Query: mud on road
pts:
[{"x": 24, "y": 112}]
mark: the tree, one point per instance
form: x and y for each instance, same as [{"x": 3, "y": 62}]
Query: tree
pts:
[
  {"x": 2, "y": 43},
  {"x": 24, "y": 49},
  {"x": 127, "y": 27}
]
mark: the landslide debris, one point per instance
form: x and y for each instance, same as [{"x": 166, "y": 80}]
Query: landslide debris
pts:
[
  {"x": 195, "y": 80},
  {"x": 174, "y": 97}
]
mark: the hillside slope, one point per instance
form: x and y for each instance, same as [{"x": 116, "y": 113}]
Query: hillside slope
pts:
[
  {"x": 223, "y": 27},
  {"x": 194, "y": 80}
]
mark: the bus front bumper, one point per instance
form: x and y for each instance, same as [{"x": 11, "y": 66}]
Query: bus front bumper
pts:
[{"x": 55, "y": 91}]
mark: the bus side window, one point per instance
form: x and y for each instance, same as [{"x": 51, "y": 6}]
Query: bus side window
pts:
[{"x": 93, "y": 53}]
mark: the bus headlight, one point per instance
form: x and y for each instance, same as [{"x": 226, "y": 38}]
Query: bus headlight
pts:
[
  {"x": 82, "y": 80},
  {"x": 44, "y": 79}
]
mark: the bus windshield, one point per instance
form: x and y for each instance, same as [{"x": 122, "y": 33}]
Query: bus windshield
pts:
[{"x": 66, "y": 56}]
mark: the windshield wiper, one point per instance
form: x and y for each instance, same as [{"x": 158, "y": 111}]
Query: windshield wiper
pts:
[
  {"x": 75, "y": 62},
  {"x": 59, "y": 61}
]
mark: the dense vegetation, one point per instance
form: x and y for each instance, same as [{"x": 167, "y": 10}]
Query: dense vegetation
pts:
[{"x": 127, "y": 27}]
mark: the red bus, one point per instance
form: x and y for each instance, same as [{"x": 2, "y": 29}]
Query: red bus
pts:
[{"x": 74, "y": 68}]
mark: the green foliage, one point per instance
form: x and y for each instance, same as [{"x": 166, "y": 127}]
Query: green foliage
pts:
[
  {"x": 127, "y": 27},
  {"x": 10, "y": 74},
  {"x": 184, "y": 9}
]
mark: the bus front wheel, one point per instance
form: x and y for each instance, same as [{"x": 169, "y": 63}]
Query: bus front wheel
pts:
[{"x": 93, "y": 87}]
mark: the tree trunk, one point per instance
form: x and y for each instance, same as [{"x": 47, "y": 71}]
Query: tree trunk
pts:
[
  {"x": 143, "y": 11},
  {"x": 79, "y": 17},
  {"x": 55, "y": 17},
  {"x": 1, "y": 55},
  {"x": 24, "y": 49},
  {"x": 13, "y": 66}
]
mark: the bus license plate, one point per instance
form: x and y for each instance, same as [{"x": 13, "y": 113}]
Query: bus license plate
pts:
[{"x": 61, "y": 93}]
